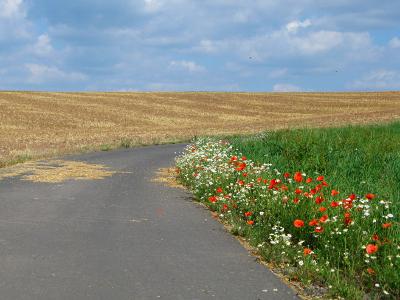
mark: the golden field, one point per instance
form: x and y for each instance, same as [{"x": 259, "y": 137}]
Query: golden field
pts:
[{"x": 39, "y": 124}]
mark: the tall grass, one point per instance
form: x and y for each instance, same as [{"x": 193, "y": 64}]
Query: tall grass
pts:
[{"x": 354, "y": 158}]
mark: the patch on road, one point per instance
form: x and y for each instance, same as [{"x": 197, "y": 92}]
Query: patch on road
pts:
[
  {"x": 54, "y": 171},
  {"x": 167, "y": 176}
]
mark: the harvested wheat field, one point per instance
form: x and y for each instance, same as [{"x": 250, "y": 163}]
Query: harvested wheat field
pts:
[{"x": 36, "y": 124}]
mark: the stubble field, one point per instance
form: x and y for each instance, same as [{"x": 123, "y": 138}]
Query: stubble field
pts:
[{"x": 36, "y": 124}]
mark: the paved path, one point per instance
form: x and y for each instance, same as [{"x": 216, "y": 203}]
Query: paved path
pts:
[{"x": 122, "y": 237}]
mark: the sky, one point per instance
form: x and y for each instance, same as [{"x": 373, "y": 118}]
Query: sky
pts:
[{"x": 204, "y": 45}]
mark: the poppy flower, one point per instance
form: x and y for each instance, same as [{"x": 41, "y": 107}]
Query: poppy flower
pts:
[
  {"x": 225, "y": 207},
  {"x": 334, "y": 192},
  {"x": 334, "y": 204},
  {"x": 308, "y": 180},
  {"x": 212, "y": 199},
  {"x": 250, "y": 222},
  {"x": 370, "y": 271},
  {"x": 322, "y": 209},
  {"x": 386, "y": 225},
  {"x": 298, "y": 223},
  {"x": 324, "y": 183},
  {"x": 241, "y": 166},
  {"x": 259, "y": 179},
  {"x": 240, "y": 182},
  {"x": 298, "y": 177},
  {"x": 320, "y": 178},
  {"x": 323, "y": 218},
  {"x": 298, "y": 191},
  {"x": 370, "y": 196},
  {"x": 219, "y": 190},
  {"x": 352, "y": 197},
  {"x": 244, "y": 174},
  {"x": 313, "y": 222},
  {"x": 371, "y": 248},
  {"x": 347, "y": 221},
  {"x": 307, "y": 251},
  {"x": 319, "y": 229},
  {"x": 319, "y": 200},
  {"x": 244, "y": 158},
  {"x": 375, "y": 237},
  {"x": 296, "y": 200},
  {"x": 248, "y": 214},
  {"x": 286, "y": 175},
  {"x": 234, "y": 158}
]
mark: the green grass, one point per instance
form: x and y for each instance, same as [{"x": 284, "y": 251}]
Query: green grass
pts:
[{"x": 362, "y": 159}]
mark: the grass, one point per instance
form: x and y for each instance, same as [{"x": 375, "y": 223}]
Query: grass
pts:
[
  {"x": 355, "y": 158},
  {"x": 47, "y": 124},
  {"x": 340, "y": 232}
]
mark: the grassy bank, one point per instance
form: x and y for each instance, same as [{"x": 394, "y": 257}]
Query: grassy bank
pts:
[
  {"x": 318, "y": 203},
  {"x": 354, "y": 158}
]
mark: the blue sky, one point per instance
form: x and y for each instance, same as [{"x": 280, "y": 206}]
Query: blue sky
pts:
[{"x": 208, "y": 45}]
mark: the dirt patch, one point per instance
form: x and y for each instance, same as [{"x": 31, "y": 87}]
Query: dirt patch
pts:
[
  {"x": 54, "y": 171},
  {"x": 167, "y": 176}
]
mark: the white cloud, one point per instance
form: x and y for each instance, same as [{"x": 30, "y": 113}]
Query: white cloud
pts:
[
  {"x": 286, "y": 87},
  {"x": 152, "y": 6},
  {"x": 394, "y": 42},
  {"x": 294, "y": 26},
  {"x": 42, "y": 73},
  {"x": 186, "y": 66},
  {"x": 378, "y": 79},
  {"x": 43, "y": 45},
  {"x": 11, "y": 8}
]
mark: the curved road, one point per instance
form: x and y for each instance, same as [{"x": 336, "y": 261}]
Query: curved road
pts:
[{"x": 123, "y": 237}]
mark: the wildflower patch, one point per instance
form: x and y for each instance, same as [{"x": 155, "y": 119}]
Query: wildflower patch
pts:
[{"x": 348, "y": 243}]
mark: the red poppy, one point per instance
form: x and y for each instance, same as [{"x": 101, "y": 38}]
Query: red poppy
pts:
[
  {"x": 347, "y": 215},
  {"x": 347, "y": 221},
  {"x": 334, "y": 204},
  {"x": 320, "y": 178},
  {"x": 370, "y": 196},
  {"x": 313, "y": 222},
  {"x": 225, "y": 207},
  {"x": 298, "y": 223},
  {"x": 296, "y": 200},
  {"x": 352, "y": 197},
  {"x": 286, "y": 175},
  {"x": 219, "y": 190},
  {"x": 298, "y": 191},
  {"x": 234, "y": 158},
  {"x": 313, "y": 191},
  {"x": 308, "y": 180},
  {"x": 250, "y": 222},
  {"x": 319, "y": 229},
  {"x": 248, "y": 214},
  {"x": 212, "y": 199},
  {"x": 371, "y": 248},
  {"x": 241, "y": 166},
  {"x": 244, "y": 158},
  {"x": 322, "y": 209},
  {"x": 259, "y": 179},
  {"x": 323, "y": 218},
  {"x": 284, "y": 187},
  {"x": 375, "y": 237},
  {"x": 319, "y": 200},
  {"x": 298, "y": 177},
  {"x": 386, "y": 225},
  {"x": 334, "y": 192},
  {"x": 324, "y": 183},
  {"x": 370, "y": 271},
  {"x": 227, "y": 197},
  {"x": 240, "y": 182},
  {"x": 307, "y": 251}
]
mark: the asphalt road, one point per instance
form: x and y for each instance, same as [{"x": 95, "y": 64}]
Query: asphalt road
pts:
[{"x": 123, "y": 237}]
